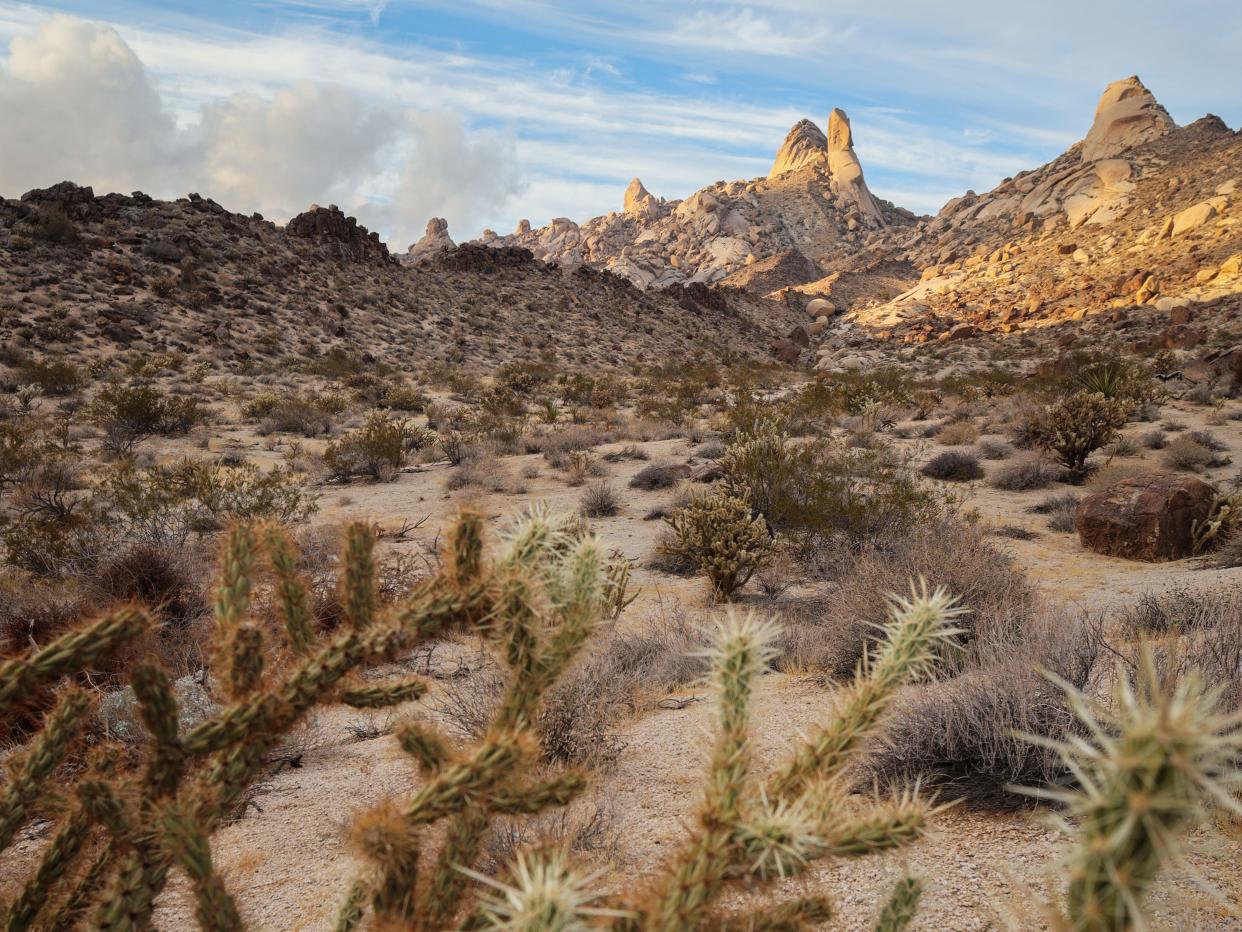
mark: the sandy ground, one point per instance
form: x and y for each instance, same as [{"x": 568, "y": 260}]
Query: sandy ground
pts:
[{"x": 289, "y": 864}]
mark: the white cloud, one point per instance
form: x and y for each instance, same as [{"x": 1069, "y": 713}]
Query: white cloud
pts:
[
  {"x": 452, "y": 173},
  {"x": 312, "y": 142},
  {"x": 77, "y": 103}
]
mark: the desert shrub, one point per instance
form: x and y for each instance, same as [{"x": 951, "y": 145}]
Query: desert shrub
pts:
[
  {"x": 52, "y": 225},
  {"x": 307, "y": 413},
  {"x": 848, "y": 393},
  {"x": 623, "y": 672},
  {"x": 164, "y": 505},
  {"x": 1024, "y": 474},
  {"x": 953, "y": 466},
  {"x": 129, "y": 414},
  {"x": 56, "y": 544},
  {"x": 558, "y": 445},
  {"x": 817, "y": 491},
  {"x": 581, "y": 466},
  {"x": 650, "y": 478},
  {"x": 1061, "y": 511},
  {"x": 1187, "y": 454},
  {"x": 997, "y": 596},
  {"x": 243, "y": 492},
  {"x": 377, "y": 449},
  {"x": 1194, "y": 629},
  {"x": 958, "y": 434},
  {"x": 1076, "y": 426},
  {"x": 726, "y": 541},
  {"x": 1208, "y": 439},
  {"x": 34, "y": 611},
  {"x": 600, "y": 501},
  {"x": 992, "y": 449},
  {"x": 52, "y": 376},
  {"x": 169, "y": 580},
  {"x": 964, "y": 738},
  {"x": 1155, "y": 439}
]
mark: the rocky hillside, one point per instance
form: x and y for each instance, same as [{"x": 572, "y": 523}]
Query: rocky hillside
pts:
[
  {"x": 1141, "y": 212},
  {"x": 83, "y": 276},
  {"x": 813, "y": 208}
]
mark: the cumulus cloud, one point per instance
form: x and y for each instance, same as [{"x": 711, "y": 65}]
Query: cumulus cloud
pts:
[
  {"x": 475, "y": 173},
  {"x": 77, "y": 103},
  {"x": 312, "y": 142}
]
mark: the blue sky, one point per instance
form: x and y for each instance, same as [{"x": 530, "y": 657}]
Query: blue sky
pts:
[{"x": 485, "y": 111}]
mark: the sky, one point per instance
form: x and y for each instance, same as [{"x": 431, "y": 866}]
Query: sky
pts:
[{"x": 488, "y": 111}]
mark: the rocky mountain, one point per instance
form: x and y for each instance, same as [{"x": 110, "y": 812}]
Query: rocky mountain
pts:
[
  {"x": 85, "y": 276},
  {"x": 1141, "y": 212},
  {"x": 813, "y": 207}
]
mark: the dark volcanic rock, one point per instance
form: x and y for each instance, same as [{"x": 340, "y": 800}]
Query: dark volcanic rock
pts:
[{"x": 338, "y": 236}]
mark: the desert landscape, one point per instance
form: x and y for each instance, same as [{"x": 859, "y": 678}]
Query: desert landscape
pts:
[{"x": 774, "y": 557}]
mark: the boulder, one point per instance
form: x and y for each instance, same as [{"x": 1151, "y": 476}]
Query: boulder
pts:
[
  {"x": 435, "y": 240},
  {"x": 1193, "y": 217},
  {"x": 1149, "y": 518},
  {"x": 639, "y": 202},
  {"x": 820, "y": 307}
]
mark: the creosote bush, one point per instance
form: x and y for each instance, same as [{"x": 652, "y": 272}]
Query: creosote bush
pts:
[
  {"x": 1024, "y": 474},
  {"x": 816, "y": 492},
  {"x": 129, "y": 414},
  {"x": 723, "y": 537},
  {"x": 378, "y": 449}
]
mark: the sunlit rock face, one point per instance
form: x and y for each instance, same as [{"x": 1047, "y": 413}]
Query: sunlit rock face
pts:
[
  {"x": 804, "y": 146},
  {"x": 846, "y": 170},
  {"x": 1128, "y": 115},
  {"x": 435, "y": 240}
]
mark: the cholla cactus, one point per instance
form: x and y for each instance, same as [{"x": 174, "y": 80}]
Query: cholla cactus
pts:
[
  {"x": 113, "y": 850},
  {"x": 1077, "y": 426},
  {"x": 536, "y": 602},
  {"x": 749, "y": 833},
  {"x": 1144, "y": 775},
  {"x": 719, "y": 533},
  {"x": 551, "y": 590}
]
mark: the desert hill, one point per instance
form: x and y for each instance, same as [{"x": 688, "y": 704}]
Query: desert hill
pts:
[{"x": 84, "y": 275}]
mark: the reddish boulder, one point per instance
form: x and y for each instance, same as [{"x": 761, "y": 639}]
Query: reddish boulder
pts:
[{"x": 1148, "y": 518}]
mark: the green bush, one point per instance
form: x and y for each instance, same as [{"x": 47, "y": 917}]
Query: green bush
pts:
[
  {"x": 129, "y": 414},
  {"x": 306, "y": 413},
  {"x": 166, "y": 504},
  {"x": 53, "y": 376},
  {"x": 52, "y": 225},
  {"x": 817, "y": 490},
  {"x": 724, "y": 538},
  {"x": 377, "y": 449}
]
